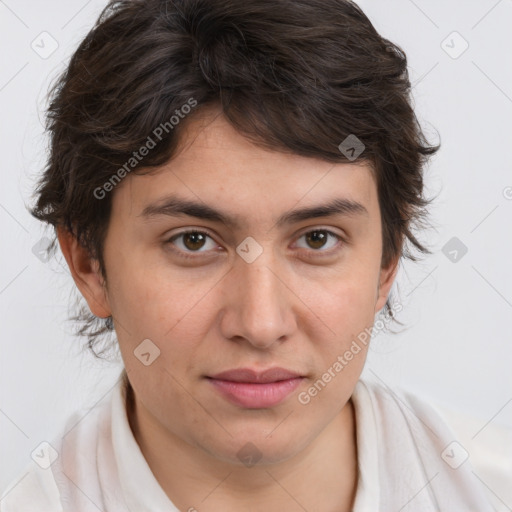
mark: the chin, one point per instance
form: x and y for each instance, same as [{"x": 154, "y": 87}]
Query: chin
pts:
[{"x": 256, "y": 448}]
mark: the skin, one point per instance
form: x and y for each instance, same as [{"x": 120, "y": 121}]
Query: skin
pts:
[{"x": 295, "y": 306}]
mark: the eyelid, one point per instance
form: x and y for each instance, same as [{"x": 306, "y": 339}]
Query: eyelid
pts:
[
  {"x": 191, "y": 229},
  {"x": 328, "y": 229}
]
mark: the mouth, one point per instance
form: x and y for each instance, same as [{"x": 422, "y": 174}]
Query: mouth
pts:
[{"x": 256, "y": 390}]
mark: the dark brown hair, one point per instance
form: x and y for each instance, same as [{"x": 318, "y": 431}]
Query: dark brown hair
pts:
[{"x": 294, "y": 75}]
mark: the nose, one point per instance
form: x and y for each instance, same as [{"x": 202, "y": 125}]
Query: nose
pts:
[{"x": 260, "y": 305}]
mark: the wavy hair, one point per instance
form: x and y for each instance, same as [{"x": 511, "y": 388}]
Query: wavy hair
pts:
[{"x": 294, "y": 75}]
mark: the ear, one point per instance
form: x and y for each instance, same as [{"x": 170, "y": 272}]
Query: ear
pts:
[
  {"x": 386, "y": 279},
  {"x": 85, "y": 272}
]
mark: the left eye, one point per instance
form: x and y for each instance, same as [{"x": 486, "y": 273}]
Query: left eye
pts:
[{"x": 319, "y": 239}]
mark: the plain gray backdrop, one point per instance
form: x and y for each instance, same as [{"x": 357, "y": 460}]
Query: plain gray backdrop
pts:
[{"x": 457, "y": 348}]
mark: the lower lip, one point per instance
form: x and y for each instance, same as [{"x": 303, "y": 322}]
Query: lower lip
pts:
[{"x": 256, "y": 396}]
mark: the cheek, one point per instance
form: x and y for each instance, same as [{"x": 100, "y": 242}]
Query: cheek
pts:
[
  {"x": 346, "y": 306},
  {"x": 345, "y": 301},
  {"x": 153, "y": 298}
]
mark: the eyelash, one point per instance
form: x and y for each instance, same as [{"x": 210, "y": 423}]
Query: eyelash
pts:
[{"x": 189, "y": 254}]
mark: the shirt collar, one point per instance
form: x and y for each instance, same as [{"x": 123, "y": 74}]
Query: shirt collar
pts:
[{"x": 140, "y": 488}]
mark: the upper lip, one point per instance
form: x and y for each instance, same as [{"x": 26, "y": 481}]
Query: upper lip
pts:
[{"x": 262, "y": 377}]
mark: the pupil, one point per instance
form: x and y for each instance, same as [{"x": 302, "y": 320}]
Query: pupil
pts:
[
  {"x": 316, "y": 239},
  {"x": 194, "y": 240}
]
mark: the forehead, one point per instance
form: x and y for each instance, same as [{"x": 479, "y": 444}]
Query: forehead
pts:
[{"x": 215, "y": 164}]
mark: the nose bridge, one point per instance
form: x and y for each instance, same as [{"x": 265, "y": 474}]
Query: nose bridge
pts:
[
  {"x": 260, "y": 285},
  {"x": 261, "y": 307}
]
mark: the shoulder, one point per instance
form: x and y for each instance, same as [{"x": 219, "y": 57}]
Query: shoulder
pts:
[
  {"x": 33, "y": 491},
  {"x": 46, "y": 482},
  {"x": 488, "y": 447},
  {"x": 443, "y": 439}
]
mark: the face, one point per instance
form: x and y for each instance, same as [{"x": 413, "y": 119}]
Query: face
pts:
[{"x": 255, "y": 276}]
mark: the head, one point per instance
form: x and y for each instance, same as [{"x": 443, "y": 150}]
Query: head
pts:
[{"x": 236, "y": 182}]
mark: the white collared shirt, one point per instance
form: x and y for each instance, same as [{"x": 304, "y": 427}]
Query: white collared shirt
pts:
[{"x": 406, "y": 459}]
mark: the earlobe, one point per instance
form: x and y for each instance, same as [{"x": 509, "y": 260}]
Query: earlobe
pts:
[{"x": 85, "y": 272}]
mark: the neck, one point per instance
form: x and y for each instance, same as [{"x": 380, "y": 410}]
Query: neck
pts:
[{"x": 323, "y": 476}]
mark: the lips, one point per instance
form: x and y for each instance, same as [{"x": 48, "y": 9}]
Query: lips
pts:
[
  {"x": 251, "y": 389},
  {"x": 248, "y": 375}
]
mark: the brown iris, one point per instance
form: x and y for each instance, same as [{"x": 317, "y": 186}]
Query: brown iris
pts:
[
  {"x": 316, "y": 239},
  {"x": 194, "y": 240}
]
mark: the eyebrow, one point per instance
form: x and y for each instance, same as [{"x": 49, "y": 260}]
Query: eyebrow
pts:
[{"x": 175, "y": 207}]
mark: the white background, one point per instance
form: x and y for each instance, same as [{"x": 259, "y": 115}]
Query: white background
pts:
[{"x": 457, "y": 347}]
